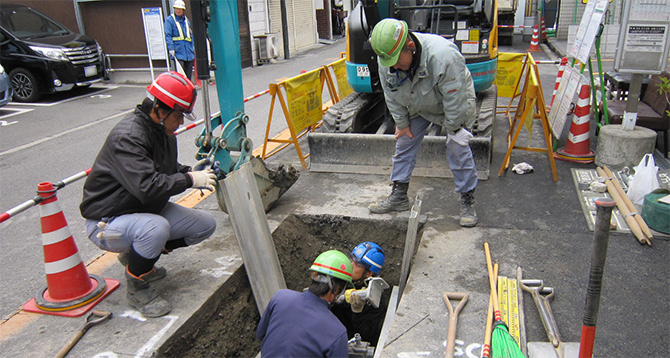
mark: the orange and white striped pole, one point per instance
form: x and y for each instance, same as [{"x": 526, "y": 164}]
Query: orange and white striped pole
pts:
[
  {"x": 534, "y": 41},
  {"x": 578, "y": 147},
  {"x": 561, "y": 69},
  {"x": 70, "y": 291},
  {"x": 543, "y": 31}
]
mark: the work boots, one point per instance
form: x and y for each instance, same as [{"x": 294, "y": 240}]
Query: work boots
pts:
[
  {"x": 397, "y": 201},
  {"x": 143, "y": 297},
  {"x": 468, "y": 213},
  {"x": 154, "y": 275}
]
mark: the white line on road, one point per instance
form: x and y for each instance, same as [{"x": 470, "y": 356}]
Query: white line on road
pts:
[{"x": 46, "y": 139}]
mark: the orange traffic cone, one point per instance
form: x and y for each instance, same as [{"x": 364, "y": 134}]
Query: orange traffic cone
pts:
[
  {"x": 561, "y": 69},
  {"x": 578, "y": 147},
  {"x": 534, "y": 41},
  {"x": 543, "y": 31},
  {"x": 70, "y": 291}
]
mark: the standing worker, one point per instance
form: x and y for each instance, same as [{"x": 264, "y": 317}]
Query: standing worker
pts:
[
  {"x": 299, "y": 324},
  {"x": 425, "y": 81},
  {"x": 178, "y": 38},
  {"x": 126, "y": 195},
  {"x": 367, "y": 259}
]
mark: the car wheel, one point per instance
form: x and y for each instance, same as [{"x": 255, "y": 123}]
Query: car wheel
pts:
[{"x": 26, "y": 87}]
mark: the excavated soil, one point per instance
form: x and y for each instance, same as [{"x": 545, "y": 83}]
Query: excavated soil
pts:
[{"x": 226, "y": 325}]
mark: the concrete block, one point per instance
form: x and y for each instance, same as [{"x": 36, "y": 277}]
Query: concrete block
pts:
[{"x": 618, "y": 148}]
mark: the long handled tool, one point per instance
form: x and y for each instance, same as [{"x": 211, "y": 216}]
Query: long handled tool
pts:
[
  {"x": 503, "y": 345},
  {"x": 96, "y": 317},
  {"x": 598, "y": 255},
  {"x": 486, "y": 350},
  {"x": 453, "y": 317},
  {"x": 643, "y": 225},
  {"x": 541, "y": 296}
]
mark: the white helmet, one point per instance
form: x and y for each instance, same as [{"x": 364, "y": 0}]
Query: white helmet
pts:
[{"x": 179, "y": 4}]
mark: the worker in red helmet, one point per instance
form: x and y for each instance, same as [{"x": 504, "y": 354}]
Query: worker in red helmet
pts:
[{"x": 127, "y": 194}]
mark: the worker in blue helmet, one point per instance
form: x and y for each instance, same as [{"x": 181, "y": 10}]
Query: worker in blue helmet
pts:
[{"x": 367, "y": 259}]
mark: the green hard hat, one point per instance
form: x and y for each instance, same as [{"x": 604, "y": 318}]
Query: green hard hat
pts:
[
  {"x": 334, "y": 263},
  {"x": 387, "y": 40}
]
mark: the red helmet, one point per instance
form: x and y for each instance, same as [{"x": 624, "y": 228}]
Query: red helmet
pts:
[{"x": 175, "y": 90}]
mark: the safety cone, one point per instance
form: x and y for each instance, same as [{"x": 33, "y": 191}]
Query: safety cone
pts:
[
  {"x": 561, "y": 69},
  {"x": 578, "y": 147},
  {"x": 71, "y": 291},
  {"x": 543, "y": 32},
  {"x": 534, "y": 44}
]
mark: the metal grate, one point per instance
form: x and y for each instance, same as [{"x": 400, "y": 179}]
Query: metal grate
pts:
[{"x": 82, "y": 55}]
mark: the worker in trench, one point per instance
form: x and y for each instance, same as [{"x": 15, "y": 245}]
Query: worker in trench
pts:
[
  {"x": 425, "y": 80},
  {"x": 126, "y": 199},
  {"x": 299, "y": 324},
  {"x": 357, "y": 315}
]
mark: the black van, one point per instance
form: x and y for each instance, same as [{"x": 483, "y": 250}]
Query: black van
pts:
[{"x": 43, "y": 56}]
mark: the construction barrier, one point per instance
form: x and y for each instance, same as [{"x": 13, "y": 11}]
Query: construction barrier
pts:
[
  {"x": 531, "y": 106},
  {"x": 578, "y": 147},
  {"x": 543, "y": 31},
  {"x": 303, "y": 106},
  {"x": 71, "y": 291}
]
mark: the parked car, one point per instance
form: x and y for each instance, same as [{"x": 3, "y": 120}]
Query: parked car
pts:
[
  {"x": 5, "y": 87},
  {"x": 43, "y": 56}
]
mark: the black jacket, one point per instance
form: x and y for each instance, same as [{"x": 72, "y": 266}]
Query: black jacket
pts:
[
  {"x": 136, "y": 170},
  {"x": 368, "y": 322}
]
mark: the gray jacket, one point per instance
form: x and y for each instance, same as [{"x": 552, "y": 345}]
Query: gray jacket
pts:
[{"x": 441, "y": 91}]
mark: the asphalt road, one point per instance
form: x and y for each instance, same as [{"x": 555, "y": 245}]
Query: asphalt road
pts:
[{"x": 61, "y": 135}]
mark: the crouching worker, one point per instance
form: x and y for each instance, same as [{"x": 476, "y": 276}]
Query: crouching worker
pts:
[
  {"x": 357, "y": 315},
  {"x": 126, "y": 195},
  {"x": 299, "y": 324}
]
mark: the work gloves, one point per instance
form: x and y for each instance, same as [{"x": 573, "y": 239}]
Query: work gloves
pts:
[
  {"x": 462, "y": 137},
  {"x": 357, "y": 303},
  {"x": 203, "y": 179}
]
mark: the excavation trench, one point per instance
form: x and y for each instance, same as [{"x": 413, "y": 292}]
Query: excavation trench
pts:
[{"x": 226, "y": 324}]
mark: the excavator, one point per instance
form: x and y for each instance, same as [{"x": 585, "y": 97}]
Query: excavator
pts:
[
  {"x": 223, "y": 140},
  {"x": 352, "y": 140}
]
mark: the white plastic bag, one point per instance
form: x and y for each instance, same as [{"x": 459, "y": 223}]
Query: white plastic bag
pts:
[{"x": 645, "y": 180}]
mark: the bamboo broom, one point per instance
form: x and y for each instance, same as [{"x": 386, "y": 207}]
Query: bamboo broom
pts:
[{"x": 486, "y": 350}]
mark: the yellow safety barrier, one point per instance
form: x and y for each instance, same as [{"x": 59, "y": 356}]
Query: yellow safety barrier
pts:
[
  {"x": 531, "y": 106},
  {"x": 508, "y": 78},
  {"x": 303, "y": 107}
]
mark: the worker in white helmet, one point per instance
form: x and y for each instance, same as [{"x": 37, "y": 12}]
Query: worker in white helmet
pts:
[{"x": 178, "y": 37}]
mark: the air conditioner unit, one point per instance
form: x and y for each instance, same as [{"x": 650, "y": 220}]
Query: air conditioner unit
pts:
[{"x": 267, "y": 47}]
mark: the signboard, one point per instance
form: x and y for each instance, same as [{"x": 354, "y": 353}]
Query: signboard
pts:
[
  {"x": 588, "y": 29},
  {"x": 643, "y": 39},
  {"x": 154, "y": 35},
  {"x": 558, "y": 114}
]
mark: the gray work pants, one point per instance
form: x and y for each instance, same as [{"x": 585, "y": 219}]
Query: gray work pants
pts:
[
  {"x": 461, "y": 161},
  {"x": 148, "y": 233}
]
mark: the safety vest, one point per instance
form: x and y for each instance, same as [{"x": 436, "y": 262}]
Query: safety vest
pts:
[{"x": 181, "y": 33}]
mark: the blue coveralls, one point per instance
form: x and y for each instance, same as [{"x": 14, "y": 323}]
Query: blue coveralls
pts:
[{"x": 180, "y": 42}]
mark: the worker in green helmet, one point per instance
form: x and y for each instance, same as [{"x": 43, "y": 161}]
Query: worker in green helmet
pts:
[
  {"x": 299, "y": 324},
  {"x": 425, "y": 80}
]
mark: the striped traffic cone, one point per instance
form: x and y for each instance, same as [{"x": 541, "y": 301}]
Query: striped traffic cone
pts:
[
  {"x": 561, "y": 69},
  {"x": 70, "y": 291},
  {"x": 578, "y": 147},
  {"x": 534, "y": 41},
  {"x": 543, "y": 31}
]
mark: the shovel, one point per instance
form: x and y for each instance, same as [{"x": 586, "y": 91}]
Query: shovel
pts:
[
  {"x": 453, "y": 317},
  {"x": 96, "y": 317}
]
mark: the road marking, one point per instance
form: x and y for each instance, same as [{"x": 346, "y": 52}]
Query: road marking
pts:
[
  {"x": 65, "y": 100},
  {"x": 15, "y": 112},
  {"x": 147, "y": 348},
  {"x": 5, "y": 123},
  {"x": 46, "y": 139}
]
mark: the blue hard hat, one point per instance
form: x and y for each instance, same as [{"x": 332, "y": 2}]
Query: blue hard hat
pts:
[{"x": 369, "y": 255}]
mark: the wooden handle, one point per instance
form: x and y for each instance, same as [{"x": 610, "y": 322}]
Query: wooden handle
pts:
[
  {"x": 629, "y": 204},
  {"x": 632, "y": 224},
  {"x": 453, "y": 318},
  {"x": 494, "y": 293},
  {"x": 66, "y": 348},
  {"x": 486, "y": 350}
]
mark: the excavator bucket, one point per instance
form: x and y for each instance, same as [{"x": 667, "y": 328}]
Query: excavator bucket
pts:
[
  {"x": 272, "y": 183},
  {"x": 371, "y": 153}
]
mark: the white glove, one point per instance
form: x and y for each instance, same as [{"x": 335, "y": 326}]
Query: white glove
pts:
[
  {"x": 172, "y": 53},
  {"x": 462, "y": 137},
  {"x": 203, "y": 179}
]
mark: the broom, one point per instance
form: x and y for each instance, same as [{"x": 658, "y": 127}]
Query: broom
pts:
[
  {"x": 486, "y": 350},
  {"x": 502, "y": 343}
]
